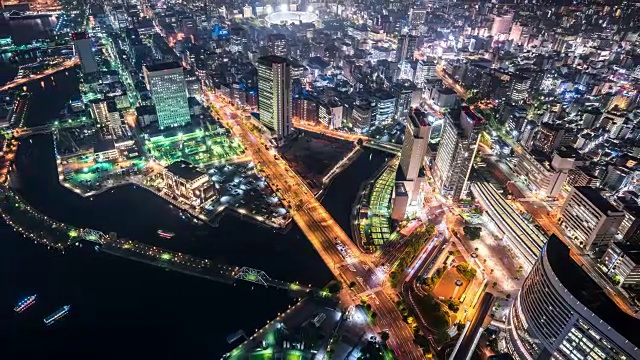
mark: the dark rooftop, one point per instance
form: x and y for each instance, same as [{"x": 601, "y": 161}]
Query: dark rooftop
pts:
[
  {"x": 446, "y": 91},
  {"x": 472, "y": 115},
  {"x": 184, "y": 169},
  {"x": 271, "y": 59},
  {"x": 588, "y": 292},
  {"x": 103, "y": 145},
  {"x": 163, "y": 66},
  {"x": 631, "y": 250},
  {"x": 597, "y": 199}
]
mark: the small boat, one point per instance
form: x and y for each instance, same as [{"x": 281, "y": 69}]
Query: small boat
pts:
[
  {"x": 57, "y": 315},
  {"x": 25, "y": 303},
  {"x": 165, "y": 234}
]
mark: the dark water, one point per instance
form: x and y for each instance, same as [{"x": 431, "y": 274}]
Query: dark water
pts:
[
  {"x": 123, "y": 308},
  {"x": 26, "y": 31}
]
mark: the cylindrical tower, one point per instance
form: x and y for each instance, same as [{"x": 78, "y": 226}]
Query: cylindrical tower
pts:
[{"x": 562, "y": 313}]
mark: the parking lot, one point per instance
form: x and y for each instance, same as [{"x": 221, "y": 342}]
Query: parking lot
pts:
[{"x": 243, "y": 189}]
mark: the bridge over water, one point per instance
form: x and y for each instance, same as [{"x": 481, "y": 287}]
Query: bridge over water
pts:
[
  {"x": 187, "y": 264},
  {"x": 24, "y": 132}
]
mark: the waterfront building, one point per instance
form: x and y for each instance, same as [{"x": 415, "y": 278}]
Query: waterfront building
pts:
[
  {"x": 185, "y": 182},
  {"x": 83, "y": 49},
  {"x": 590, "y": 219},
  {"x": 456, "y": 152},
  {"x": 562, "y": 313},
  {"x": 168, "y": 89},
  {"x": 274, "y": 94}
]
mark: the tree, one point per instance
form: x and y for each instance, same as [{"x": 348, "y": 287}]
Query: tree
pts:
[
  {"x": 473, "y": 232},
  {"x": 384, "y": 336},
  {"x": 334, "y": 287},
  {"x": 466, "y": 271}
]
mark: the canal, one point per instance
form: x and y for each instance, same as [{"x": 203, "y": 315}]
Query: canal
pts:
[{"x": 121, "y": 307}]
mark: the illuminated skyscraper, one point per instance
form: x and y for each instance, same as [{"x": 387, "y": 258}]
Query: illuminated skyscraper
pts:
[
  {"x": 169, "y": 92},
  {"x": 411, "y": 173},
  {"x": 274, "y": 94},
  {"x": 456, "y": 152},
  {"x": 277, "y": 44},
  {"x": 83, "y": 48},
  {"x": 406, "y": 48}
]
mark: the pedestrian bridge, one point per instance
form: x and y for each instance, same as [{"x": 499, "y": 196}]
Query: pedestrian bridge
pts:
[
  {"x": 187, "y": 264},
  {"x": 25, "y": 132}
]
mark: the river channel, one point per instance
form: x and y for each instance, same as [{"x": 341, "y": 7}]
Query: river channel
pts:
[{"x": 123, "y": 308}]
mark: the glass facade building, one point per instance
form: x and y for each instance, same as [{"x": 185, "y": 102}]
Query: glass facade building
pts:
[
  {"x": 169, "y": 92},
  {"x": 274, "y": 94}
]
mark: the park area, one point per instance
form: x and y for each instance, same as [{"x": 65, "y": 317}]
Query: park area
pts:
[
  {"x": 34, "y": 225},
  {"x": 451, "y": 286},
  {"x": 313, "y": 155},
  {"x": 199, "y": 148},
  {"x": 85, "y": 175}
]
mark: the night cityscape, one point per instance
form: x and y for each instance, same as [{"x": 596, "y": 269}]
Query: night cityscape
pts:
[{"x": 311, "y": 180}]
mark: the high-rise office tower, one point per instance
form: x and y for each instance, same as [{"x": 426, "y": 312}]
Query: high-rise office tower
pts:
[
  {"x": 589, "y": 218},
  {"x": 501, "y": 24},
  {"x": 107, "y": 118},
  {"x": 411, "y": 173},
  {"x": 83, "y": 48},
  {"x": 169, "y": 92},
  {"x": 406, "y": 48},
  {"x": 274, "y": 94},
  {"x": 456, "y": 152},
  {"x": 563, "y": 313},
  {"x": 277, "y": 45},
  {"x": 417, "y": 16}
]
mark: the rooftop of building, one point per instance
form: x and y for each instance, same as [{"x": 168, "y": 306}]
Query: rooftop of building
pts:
[
  {"x": 400, "y": 190},
  {"x": 103, "y": 145},
  {"x": 472, "y": 115},
  {"x": 418, "y": 117},
  {"x": 630, "y": 250},
  {"x": 588, "y": 292},
  {"x": 163, "y": 66},
  {"x": 599, "y": 201},
  {"x": 79, "y": 35},
  {"x": 185, "y": 170}
]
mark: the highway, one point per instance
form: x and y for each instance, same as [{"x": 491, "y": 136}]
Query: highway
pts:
[
  {"x": 17, "y": 82},
  {"x": 451, "y": 83},
  {"x": 325, "y": 234},
  {"x": 469, "y": 341},
  {"x": 367, "y": 141}
]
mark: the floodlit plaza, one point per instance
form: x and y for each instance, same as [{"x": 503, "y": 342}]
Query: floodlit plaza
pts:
[
  {"x": 85, "y": 175},
  {"x": 199, "y": 148}
]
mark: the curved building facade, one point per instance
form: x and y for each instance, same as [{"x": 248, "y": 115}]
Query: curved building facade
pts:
[{"x": 561, "y": 313}]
